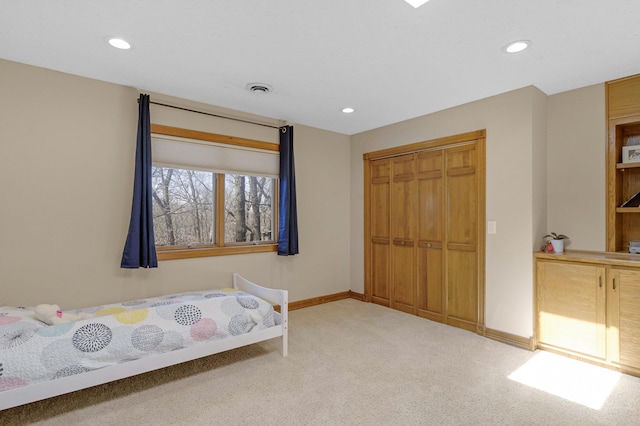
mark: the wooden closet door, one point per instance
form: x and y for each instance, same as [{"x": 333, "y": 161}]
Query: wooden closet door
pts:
[
  {"x": 430, "y": 297},
  {"x": 380, "y": 241},
  {"x": 403, "y": 196},
  {"x": 461, "y": 255},
  {"x": 424, "y": 249}
]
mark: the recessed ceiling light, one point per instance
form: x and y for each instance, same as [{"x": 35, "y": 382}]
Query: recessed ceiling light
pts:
[
  {"x": 348, "y": 110},
  {"x": 416, "y": 3},
  {"x": 119, "y": 43},
  {"x": 517, "y": 46}
]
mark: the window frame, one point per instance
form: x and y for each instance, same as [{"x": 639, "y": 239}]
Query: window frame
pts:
[{"x": 219, "y": 248}]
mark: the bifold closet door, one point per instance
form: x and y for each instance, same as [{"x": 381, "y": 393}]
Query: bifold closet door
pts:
[
  {"x": 424, "y": 234},
  {"x": 462, "y": 236},
  {"x": 380, "y": 241},
  {"x": 403, "y": 224},
  {"x": 430, "y": 174}
]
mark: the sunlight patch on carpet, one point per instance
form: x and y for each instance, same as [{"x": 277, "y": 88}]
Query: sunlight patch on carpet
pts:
[{"x": 572, "y": 380}]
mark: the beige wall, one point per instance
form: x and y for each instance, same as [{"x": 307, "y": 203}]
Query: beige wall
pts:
[
  {"x": 511, "y": 143},
  {"x": 67, "y": 147},
  {"x": 576, "y": 166}
]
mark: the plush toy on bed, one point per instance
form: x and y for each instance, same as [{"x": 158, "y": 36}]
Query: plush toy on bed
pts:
[{"x": 51, "y": 314}]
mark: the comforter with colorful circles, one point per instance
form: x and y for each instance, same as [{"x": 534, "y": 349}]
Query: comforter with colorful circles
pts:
[{"x": 33, "y": 352}]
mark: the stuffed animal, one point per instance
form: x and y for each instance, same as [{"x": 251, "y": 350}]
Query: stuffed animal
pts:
[{"x": 51, "y": 314}]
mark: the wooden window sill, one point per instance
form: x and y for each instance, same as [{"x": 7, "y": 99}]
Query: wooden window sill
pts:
[{"x": 188, "y": 253}]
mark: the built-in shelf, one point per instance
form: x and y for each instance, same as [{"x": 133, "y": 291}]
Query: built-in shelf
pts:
[
  {"x": 623, "y": 179},
  {"x": 622, "y": 166},
  {"x": 628, "y": 210}
]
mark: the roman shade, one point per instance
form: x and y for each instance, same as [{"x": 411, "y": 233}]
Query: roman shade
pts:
[{"x": 177, "y": 152}]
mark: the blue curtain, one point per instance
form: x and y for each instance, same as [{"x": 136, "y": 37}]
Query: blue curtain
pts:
[
  {"x": 140, "y": 248},
  {"x": 288, "y": 226}
]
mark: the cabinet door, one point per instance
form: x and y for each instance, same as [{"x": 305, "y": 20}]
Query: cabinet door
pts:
[
  {"x": 403, "y": 203},
  {"x": 623, "y": 295},
  {"x": 571, "y": 307}
]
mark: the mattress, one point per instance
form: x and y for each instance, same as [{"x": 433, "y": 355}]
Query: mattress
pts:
[{"x": 33, "y": 352}]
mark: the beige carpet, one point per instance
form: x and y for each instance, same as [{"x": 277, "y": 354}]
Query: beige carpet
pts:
[{"x": 353, "y": 363}]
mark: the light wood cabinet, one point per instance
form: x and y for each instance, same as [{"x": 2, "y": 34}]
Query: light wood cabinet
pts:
[
  {"x": 588, "y": 306},
  {"x": 623, "y": 178},
  {"x": 424, "y": 229}
]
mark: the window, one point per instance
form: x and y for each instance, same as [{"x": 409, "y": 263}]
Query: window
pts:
[
  {"x": 248, "y": 209},
  {"x": 201, "y": 209},
  {"x": 183, "y": 203}
]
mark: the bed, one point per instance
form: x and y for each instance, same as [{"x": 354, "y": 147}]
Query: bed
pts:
[{"x": 39, "y": 361}]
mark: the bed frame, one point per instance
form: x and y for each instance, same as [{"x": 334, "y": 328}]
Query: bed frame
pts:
[{"x": 38, "y": 391}]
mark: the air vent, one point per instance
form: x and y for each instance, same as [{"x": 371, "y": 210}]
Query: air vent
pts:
[{"x": 259, "y": 88}]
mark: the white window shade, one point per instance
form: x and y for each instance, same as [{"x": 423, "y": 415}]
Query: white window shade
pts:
[{"x": 221, "y": 158}]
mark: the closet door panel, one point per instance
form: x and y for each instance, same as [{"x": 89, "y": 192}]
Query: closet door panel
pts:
[
  {"x": 380, "y": 277},
  {"x": 404, "y": 277},
  {"x": 462, "y": 226},
  {"x": 462, "y": 235},
  {"x": 430, "y": 297},
  {"x": 462, "y": 221},
  {"x": 462, "y": 293},
  {"x": 403, "y": 190},
  {"x": 380, "y": 220},
  {"x": 462, "y": 158},
  {"x": 430, "y": 292},
  {"x": 403, "y": 217},
  {"x": 430, "y": 196},
  {"x": 380, "y": 237}
]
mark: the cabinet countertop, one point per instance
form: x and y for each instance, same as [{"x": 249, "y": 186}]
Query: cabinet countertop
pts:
[{"x": 601, "y": 257}]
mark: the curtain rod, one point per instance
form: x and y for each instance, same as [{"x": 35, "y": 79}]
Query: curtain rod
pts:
[{"x": 214, "y": 115}]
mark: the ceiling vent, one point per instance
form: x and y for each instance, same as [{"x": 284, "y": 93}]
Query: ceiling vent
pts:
[{"x": 259, "y": 88}]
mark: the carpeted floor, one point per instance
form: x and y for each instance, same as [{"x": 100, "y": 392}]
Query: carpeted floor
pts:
[{"x": 353, "y": 363}]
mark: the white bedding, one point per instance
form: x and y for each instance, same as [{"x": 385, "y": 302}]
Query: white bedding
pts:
[{"x": 33, "y": 352}]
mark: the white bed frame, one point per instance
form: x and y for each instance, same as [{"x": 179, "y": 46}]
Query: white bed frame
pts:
[{"x": 38, "y": 391}]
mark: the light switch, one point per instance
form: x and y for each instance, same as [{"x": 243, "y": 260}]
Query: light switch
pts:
[{"x": 491, "y": 227}]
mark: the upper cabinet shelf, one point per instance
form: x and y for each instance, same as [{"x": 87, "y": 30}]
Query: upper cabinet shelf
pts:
[{"x": 622, "y": 166}]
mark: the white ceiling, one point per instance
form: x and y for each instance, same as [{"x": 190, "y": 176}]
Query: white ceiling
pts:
[{"x": 389, "y": 61}]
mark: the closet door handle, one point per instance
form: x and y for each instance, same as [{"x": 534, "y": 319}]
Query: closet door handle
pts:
[
  {"x": 614, "y": 284},
  {"x": 600, "y": 281}
]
